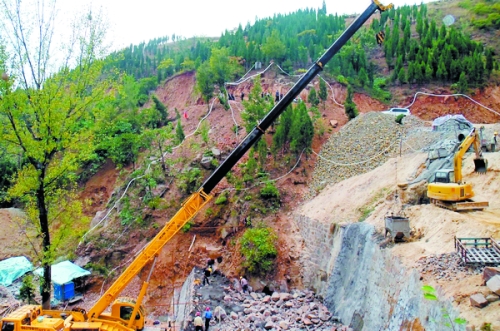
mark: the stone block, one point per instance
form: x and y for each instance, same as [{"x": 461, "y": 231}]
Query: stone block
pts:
[
  {"x": 489, "y": 272},
  {"x": 494, "y": 284},
  {"x": 492, "y": 297},
  {"x": 478, "y": 300}
]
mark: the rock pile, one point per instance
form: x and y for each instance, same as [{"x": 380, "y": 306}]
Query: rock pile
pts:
[
  {"x": 447, "y": 266},
  {"x": 280, "y": 311},
  {"x": 234, "y": 310},
  {"x": 367, "y": 142}
]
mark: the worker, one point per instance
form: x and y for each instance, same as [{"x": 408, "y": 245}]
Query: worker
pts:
[
  {"x": 494, "y": 142},
  {"x": 198, "y": 322},
  {"x": 242, "y": 96},
  {"x": 208, "y": 317},
  {"x": 244, "y": 284},
  {"x": 206, "y": 274}
]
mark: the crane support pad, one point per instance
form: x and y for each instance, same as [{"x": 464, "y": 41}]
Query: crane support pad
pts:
[{"x": 478, "y": 250}]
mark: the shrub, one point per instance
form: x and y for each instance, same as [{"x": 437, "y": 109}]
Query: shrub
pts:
[
  {"x": 270, "y": 191},
  {"x": 258, "y": 246},
  {"x": 221, "y": 199},
  {"x": 27, "y": 290}
]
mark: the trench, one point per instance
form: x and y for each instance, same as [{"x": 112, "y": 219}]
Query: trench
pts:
[{"x": 362, "y": 283}]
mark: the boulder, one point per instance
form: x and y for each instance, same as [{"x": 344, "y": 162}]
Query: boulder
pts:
[
  {"x": 334, "y": 123},
  {"x": 489, "y": 272},
  {"x": 478, "y": 300},
  {"x": 269, "y": 325},
  {"x": 220, "y": 312},
  {"x": 283, "y": 325},
  {"x": 233, "y": 316},
  {"x": 206, "y": 162},
  {"x": 492, "y": 297},
  {"x": 494, "y": 284},
  {"x": 216, "y": 153},
  {"x": 275, "y": 297},
  {"x": 285, "y": 296},
  {"x": 266, "y": 299}
]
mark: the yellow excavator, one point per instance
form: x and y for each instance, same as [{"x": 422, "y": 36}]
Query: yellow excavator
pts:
[
  {"x": 448, "y": 190},
  {"x": 127, "y": 314}
]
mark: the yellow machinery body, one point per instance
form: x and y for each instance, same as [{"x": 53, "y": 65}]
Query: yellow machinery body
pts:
[{"x": 448, "y": 189}]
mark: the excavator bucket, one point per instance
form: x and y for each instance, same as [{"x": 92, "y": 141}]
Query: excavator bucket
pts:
[{"x": 480, "y": 165}]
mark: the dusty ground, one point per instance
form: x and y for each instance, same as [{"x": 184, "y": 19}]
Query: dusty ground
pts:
[{"x": 176, "y": 260}]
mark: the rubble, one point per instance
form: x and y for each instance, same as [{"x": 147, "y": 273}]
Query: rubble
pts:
[
  {"x": 369, "y": 141},
  {"x": 234, "y": 310},
  {"x": 446, "y": 267}
]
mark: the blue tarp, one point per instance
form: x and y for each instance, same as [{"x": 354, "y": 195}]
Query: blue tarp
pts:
[
  {"x": 64, "y": 272},
  {"x": 13, "y": 268}
]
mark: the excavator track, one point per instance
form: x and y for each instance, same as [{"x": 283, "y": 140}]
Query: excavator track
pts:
[{"x": 461, "y": 206}]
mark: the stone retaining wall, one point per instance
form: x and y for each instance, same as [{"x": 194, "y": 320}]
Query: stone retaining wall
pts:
[{"x": 362, "y": 283}]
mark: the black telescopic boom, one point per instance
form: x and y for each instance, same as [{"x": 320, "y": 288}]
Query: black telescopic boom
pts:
[{"x": 273, "y": 114}]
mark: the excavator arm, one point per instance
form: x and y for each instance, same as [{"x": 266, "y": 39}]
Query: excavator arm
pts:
[
  {"x": 199, "y": 199},
  {"x": 480, "y": 164}
]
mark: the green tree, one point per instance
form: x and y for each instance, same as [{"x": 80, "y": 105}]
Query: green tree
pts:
[
  {"x": 302, "y": 130},
  {"x": 259, "y": 248},
  {"x": 274, "y": 48},
  {"x": 179, "y": 132},
  {"x": 222, "y": 67},
  {"x": 255, "y": 107},
  {"x": 48, "y": 116},
  {"x": 323, "y": 92},
  {"x": 312, "y": 98},
  {"x": 462, "y": 83},
  {"x": 402, "y": 76},
  {"x": 160, "y": 107},
  {"x": 350, "y": 107},
  {"x": 205, "y": 82}
]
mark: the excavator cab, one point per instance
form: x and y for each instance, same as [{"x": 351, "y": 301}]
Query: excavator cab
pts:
[{"x": 444, "y": 176}]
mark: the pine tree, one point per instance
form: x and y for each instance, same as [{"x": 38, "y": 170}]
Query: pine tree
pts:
[
  {"x": 179, "y": 133},
  {"x": 313, "y": 97},
  {"x": 160, "y": 107},
  {"x": 350, "y": 107},
  {"x": 462, "y": 83},
  {"x": 402, "y": 76},
  {"x": 323, "y": 92}
]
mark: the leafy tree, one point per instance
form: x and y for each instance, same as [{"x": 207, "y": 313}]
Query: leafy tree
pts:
[
  {"x": 259, "y": 247},
  {"x": 222, "y": 67},
  {"x": 255, "y": 107},
  {"x": 47, "y": 116},
  {"x": 205, "y": 82},
  {"x": 323, "y": 92},
  {"x": 274, "y": 48},
  {"x": 27, "y": 290}
]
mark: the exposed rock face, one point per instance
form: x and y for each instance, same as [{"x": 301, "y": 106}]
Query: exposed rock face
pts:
[{"x": 368, "y": 289}]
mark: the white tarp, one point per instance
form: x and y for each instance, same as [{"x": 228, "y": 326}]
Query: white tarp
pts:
[
  {"x": 13, "y": 268},
  {"x": 64, "y": 272}
]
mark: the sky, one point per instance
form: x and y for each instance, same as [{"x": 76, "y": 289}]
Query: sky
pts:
[{"x": 132, "y": 21}]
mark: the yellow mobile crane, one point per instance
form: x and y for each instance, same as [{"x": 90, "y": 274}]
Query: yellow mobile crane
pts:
[
  {"x": 127, "y": 314},
  {"x": 448, "y": 190}
]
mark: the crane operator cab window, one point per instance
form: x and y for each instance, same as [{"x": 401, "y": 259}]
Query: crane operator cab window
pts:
[
  {"x": 7, "y": 326},
  {"x": 444, "y": 177},
  {"x": 126, "y": 313}
]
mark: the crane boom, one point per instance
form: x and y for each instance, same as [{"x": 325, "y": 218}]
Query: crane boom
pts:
[{"x": 201, "y": 197}]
